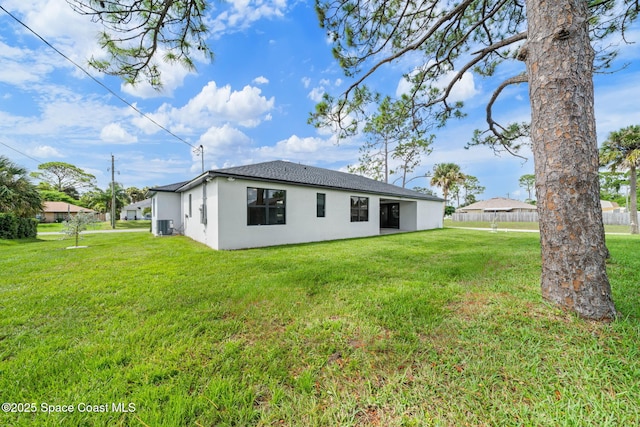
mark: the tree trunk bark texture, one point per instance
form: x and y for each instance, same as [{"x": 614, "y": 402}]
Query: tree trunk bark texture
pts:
[
  {"x": 560, "y": 68},
  {"x": 633, "y": 198}
]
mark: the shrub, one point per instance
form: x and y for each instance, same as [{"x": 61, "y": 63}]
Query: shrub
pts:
[
  {"x": 13, "y": 227},
  {"x": 77, "y": 224}
]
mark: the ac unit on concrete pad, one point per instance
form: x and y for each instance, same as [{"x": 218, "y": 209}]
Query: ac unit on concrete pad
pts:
[{"x": 164, "y": 227}]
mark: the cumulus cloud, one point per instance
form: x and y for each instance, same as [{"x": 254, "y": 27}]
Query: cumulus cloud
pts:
[
  {"x": 224, "y": 137},
  {"x": 72, "y": 33},
  {"x": 261, "y": 80},
  {"x": 172, "y": 75},
  {"x": 216, "y": 105},
  {"x": 162, "y": 116},
  {"x": 224, "y": 142},
  {"x": 306, "y": 81},
  {"x": 44, "y": 152},
  {"x": 309, "y": 150},
  {"x": 242, "y": 13},
  {"x": 113, "y": 133},
  {"x": 21, "y": 66}
]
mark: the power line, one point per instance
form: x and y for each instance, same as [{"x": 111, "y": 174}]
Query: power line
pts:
[
  {"x": 100, "y": 83},
  {"x": 20, "y": 152}
]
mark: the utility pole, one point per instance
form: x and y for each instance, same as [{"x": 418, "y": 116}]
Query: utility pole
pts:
[
  {"x": 202, "y": 156},
  {"x": 113, "y": 193}
]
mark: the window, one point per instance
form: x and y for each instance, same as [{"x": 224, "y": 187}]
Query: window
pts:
[
  {"x": 265, "y": 206},
  {"x": 190, "y": 207},
  {"x": 321, "y": 200},
  {"x": 359, "y": 209}
]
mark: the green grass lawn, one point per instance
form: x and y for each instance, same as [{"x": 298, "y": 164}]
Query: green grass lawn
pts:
[
  {"x": 439, "y": 328},
  {"x": 120, "y": 225},
  {"x": 522, "y": 226}
]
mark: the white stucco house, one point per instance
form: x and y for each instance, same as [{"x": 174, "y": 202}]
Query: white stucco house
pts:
[
  {"x": 135, "y": 210},
  {"x": 275, "y": 203}
]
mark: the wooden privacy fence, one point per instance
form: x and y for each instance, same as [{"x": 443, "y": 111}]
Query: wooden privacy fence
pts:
[{"x": 609, "y": 218}]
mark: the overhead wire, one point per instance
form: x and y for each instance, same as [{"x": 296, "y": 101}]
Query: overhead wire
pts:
[
  {"x": 20, "y": 152},
  {"x": 107, "y": 88}
]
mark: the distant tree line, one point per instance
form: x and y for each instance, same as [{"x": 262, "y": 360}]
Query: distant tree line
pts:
[{"x": 58, "y": 181}]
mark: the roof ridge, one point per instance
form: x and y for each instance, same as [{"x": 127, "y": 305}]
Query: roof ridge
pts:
[{"x": 285, "y": 171}]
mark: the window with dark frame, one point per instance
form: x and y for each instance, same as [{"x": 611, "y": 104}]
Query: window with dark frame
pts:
[
  {"x": 266, "y": 206},
  {"x": 359, "y": 209},
  {"x": 321, "y": 200}
]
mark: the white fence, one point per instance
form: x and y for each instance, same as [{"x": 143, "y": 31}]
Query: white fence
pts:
[{"x": 609, "y": 218}]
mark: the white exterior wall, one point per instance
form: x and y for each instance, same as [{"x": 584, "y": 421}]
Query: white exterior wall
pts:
[
  {"x": 227, "y": 227},
  {"x": 165, "y": 206},
  {"x": 430, "y": 215},
  {"x": 409, "y": 215},
  {"x": 302, "y": 224},
  {"x": 193, "y": 225}
]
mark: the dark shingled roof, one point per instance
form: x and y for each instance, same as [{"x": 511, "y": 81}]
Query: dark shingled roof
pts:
[
  {"x": 171, "y": 188},
  {"x": 294, "y": 173}
]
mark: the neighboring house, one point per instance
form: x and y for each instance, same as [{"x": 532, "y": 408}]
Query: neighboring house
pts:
[
  {"x": 498, "y": 204},
  {"x": 279, "y": 202},
  {"x": 608, "y": 206},
  {"x": 61, "y": 211},
  {"x": 135, "y": 210}
]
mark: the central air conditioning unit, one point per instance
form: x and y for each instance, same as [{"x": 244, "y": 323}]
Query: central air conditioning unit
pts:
[{"x": 164, "y": 227}]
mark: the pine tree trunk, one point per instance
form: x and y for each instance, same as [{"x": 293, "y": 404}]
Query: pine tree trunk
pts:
[
  {"x": 633, "y": 202},
  {"x": 560, "y": 67}
]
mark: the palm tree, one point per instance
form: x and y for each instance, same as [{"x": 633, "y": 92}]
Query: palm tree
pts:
[
  {"x": 445, "y": 176},
  {"x": 18, "y": 195},
  {"x": 135, "y": 194},
  {"x": 622, "y": 150},
  {"x": 100, "y": 200}
]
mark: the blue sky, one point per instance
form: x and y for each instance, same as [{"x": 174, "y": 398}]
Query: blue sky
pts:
[{"x": 251, "y": 104}]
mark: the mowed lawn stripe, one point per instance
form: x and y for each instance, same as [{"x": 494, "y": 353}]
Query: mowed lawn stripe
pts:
[{"x": 444, "y": 327}]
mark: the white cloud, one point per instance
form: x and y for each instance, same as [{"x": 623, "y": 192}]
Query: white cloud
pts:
[
  {"x": 306, "y": 81},
  {"x": 224, "y": 142},
  {"x": 261, "y": 80},
  {"x": 216, "y": 138},
  {"x": 307, "y": 150},
  {"x": 162, "y": 116},
  {"x": 113, "y": 133},
  {"x": 462, "y": 90},
  {"x": 21, "y": 66},
  {"x": 71, "y": 33},
  {"x": 62, "y": 114},
  {"x": 76, "y": 36},
  {"x": 242, "y": 13},
  {"x": 215, "y": 105},
  {"x": 316, "y": 94},
  {"x": 172, "y": 75},
  {"x": 44, "y": 152}
]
